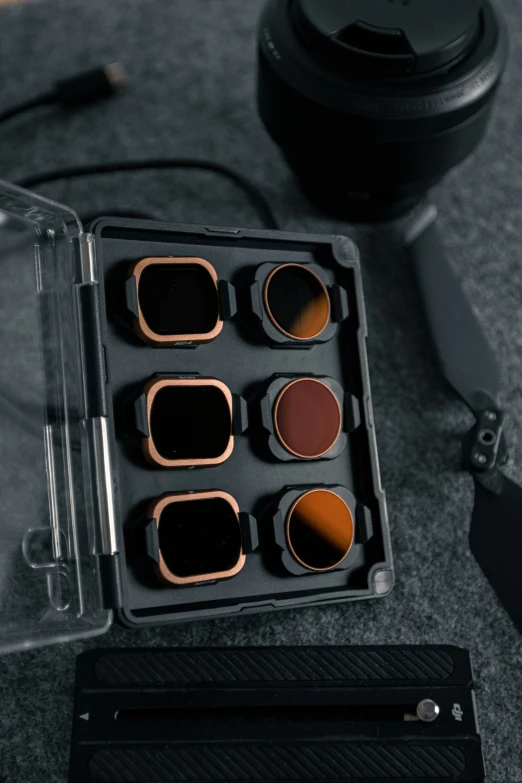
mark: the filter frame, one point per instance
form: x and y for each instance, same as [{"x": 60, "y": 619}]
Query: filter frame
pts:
[
  {"x": 257, "y": 314},
  {"x": 148, "y": 446},
  {"x": 324, "y": 291},
  {"x": 163, "y": 572},
  {"x": 141, "y": 327},
  {"x": 277, "y": 428},
  {"x": 288, "y": 539},
  {"x": 267, "y": 437}
]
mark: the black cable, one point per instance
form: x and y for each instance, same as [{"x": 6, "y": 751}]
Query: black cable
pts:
[
  {"x": 42, "y": 100},
  {"x": 257, "y": 198},
  {"x": 80, "y": 89}
]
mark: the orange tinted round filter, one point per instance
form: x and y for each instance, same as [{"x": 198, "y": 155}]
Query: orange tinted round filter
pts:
[
  {"x": 319, "y": 530},
  {"x": 297, "y": 301},
  {"x": 307, "y": 418}
]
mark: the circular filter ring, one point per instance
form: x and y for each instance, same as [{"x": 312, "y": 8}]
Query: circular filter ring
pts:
[
  {"x": 297, "y": 302},
  {"x": 319, "y": 525},
  {"x": 307, "y": 418}
]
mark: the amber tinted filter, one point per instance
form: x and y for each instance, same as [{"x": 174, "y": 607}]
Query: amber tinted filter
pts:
[
  {"x": 307, "y": 418},
  {"x": 297, "y": 301},
  {"x": 319, "y": 530},
  {"x": 200, "y": 538},
  {"x": 190, "y": 422}
]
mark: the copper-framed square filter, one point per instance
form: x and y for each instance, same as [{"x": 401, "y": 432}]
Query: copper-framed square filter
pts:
[
  {"x": 177, "y": 301},
  {"x": 189, "y": 422},
  {"x": 199, "y": 537}
]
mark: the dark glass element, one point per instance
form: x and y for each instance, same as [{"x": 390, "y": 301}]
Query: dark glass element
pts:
[
  {"x": 320, "y": 530},
  {"x": 190, "y": 422},
  {"x": 297, "y": 301},
  {"x": 199, "y": 537},
  {"x": 178, "y": 299}
]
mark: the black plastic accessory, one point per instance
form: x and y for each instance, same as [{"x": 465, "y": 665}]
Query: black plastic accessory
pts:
[
  {"x": 390, "y": 713},
  {"x": 471, "y": 367},
  {"x": 255, "y": 195},
  {"x": 372, "y": 103}
]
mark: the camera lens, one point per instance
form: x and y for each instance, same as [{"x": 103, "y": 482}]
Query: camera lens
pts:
[
  {"x": 307, "y": 418},
  {"x": 190, "y": 422},
  {"x": 199, "y": 537},
  {"x": 178, "y": 300},
  {"x": 319, "y": 530},
  {"x": 297, "y": 301},
  {"x": 372, "y": 102}
]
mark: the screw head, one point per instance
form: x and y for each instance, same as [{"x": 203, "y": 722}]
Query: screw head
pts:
[
  {"x": 491, "y": 415},
  {"x": 479, "y": 458},
  {"x": 428, "y": 710}
]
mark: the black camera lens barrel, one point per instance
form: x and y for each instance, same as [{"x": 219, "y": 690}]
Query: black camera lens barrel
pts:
[
  {"x": 391, "y": 37},
  {"x": 371, "y": 101}
]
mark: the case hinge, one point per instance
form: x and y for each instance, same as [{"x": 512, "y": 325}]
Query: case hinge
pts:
[
  {"x": 87, "y": 258},
  {"x": 94, "y": 380},
  {"x": 102, "y": 499},
  {"x": 89, "y": 322},
  {"x": 110, "y": 581},
  {"x": 103, "y": 487}
]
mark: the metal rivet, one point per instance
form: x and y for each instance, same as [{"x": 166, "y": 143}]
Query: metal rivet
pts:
[
  {"x": 491, "y": 415},
  {"x": 428, "y": 710},
  {"x": 481, "y": 459}
]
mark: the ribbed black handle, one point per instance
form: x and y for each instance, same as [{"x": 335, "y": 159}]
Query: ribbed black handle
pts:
[
  {"x": 315, "y": 664},
  {"x": 319, "y": 714},
  {"x": 268, "y": 763}
]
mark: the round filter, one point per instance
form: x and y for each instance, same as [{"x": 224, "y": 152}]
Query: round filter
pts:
[
  {"x": 307, "y": 418},
  {"x": 297, "y": 301},
  {"x": 190, "y": 421},
  {"x": 178, "y": 299},
  {"x": 319, "y": 530},
  {"x": 199, "y": 538}
]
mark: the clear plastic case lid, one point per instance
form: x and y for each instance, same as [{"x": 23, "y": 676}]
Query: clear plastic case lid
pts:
[{"x": 49, "y": 580}]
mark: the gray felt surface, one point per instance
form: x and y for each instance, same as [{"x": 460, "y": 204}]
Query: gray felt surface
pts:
[{"x": 191, "y": 64}]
